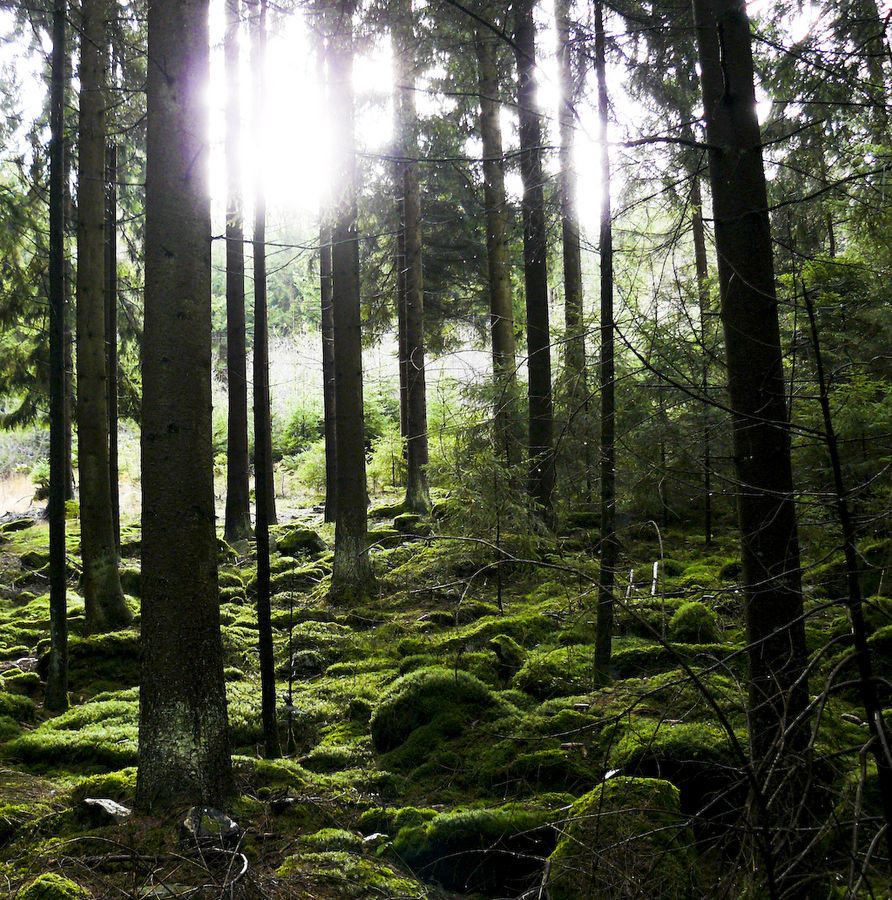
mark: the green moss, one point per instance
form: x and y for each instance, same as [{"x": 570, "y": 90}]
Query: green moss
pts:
[
  {"x": 510, "y": 655},
  {"x": 50, "y": 886},
  {"x": 555, "y": 673},
  {"x": 490, "y": 850},
  {"x": 99, "y": 734},
  {"x": 18, "y": 682},
  {"x": 390, "y": 820},
  {"x": 422, "y": 697},
  {"x": 119, "y": 786},
  {"x": 17, "y": 707},
  {"x": 693, "y": 623},
  {"x": 9, "y": 728},
  {"x": 347, "y": 875},
  {"x": 294, "y": 539},
  {"x": 131, "y": 580},
  {"x": 626, "y": 838},
  {"x": 103, "y": 662},
  {"x": 331, "y": 839}
]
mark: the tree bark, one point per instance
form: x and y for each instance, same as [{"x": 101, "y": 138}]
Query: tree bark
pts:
[
  {"x": 501, "y": 304},
  {"x": 778, "y": 685},
  {"x": 56, "y": 697},
  {"x": 352, "y": 578},
  {"x": 262, "y": 447},
  {"x": 608, "y": 546},
  {"x": 328, "y": 368},
  {"x": 701, "y": 265},
  {"x": 237, "y": 521},
  {"x": 574, "y": 332},
  {"x": 183, "y": 724},
  {"x": 417, "y": 491},
  {"x": 111, "y": 334},
  {"x": 535, "y": 251},
  {"x": 104, "y": 604}
]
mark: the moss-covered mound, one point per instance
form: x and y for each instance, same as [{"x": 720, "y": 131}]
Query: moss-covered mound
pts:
[
  {"x": 424, "y": 697},
  {"x": 491, "y": 850},
  {"x": 50, "y": 886},
  {"x": 626, "y": 838},
  {"x": 341, "y": 874}
]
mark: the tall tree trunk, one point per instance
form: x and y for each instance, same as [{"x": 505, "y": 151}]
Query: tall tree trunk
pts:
[
  {"x": 327, "y": 330},
  {"x": 111, "y": 334},
  {"x": 261, "y": 336},
  {"x": 68, "y": 280},
  {"x": 701, "y": 265},
  {"x": 609, "y": 546},
  {"x": 778, "y": 684},
  {"x": 535, "y": 265},
  {"x": 399, "y": 264},
  {"x": 56, "y": 697},
  {"x": 183, "y": 722},
  {"x": 352, "y": 577},
  {"x": 328, "y": 369},
  {"x": 501, "y": 304},
  {"x": 574, "y": 333},
  {"x": 417, "y": 491},
  {"x": 237, "y": 521},
  {"x": 262, "y": 448},
  {"x": 104, "y": 604}
]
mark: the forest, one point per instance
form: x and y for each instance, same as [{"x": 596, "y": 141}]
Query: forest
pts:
[{"x": 445, "y": 449}]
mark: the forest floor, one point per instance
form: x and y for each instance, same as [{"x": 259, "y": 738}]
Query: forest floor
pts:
[{"x": 447, "y": 740}]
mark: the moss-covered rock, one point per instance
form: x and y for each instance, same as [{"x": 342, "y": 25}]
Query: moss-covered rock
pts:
[
  {"x": 50, "y": 886},
  {"x": 693, "y": 623},
  {"x": 422, "y": 697},
  {"x": 510, "y": 655},
  {"x": 391, "y": 819},
  {"x": 99, "y": 734},
  {"x": 349, "y": 875},
  {"x": 131, "y": 580},
  {"x": 411, "y": 523},
  {"x": 490, "y": 850},
  {"x": 626, "y": 838},
  {"x": 327, "y": 839},
  {"x": 292, "y": 540}
]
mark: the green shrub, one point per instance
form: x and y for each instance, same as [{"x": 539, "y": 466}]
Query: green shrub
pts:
[
  {"x": 693, "y": 623},
  {"x": 626, "y": 838}
]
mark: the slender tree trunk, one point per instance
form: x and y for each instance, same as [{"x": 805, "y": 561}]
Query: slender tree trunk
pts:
[
  {"x": 609, "y": 546},
  {"x": 111, "y": 334},
  {"x": 535, "y": 252},
  {"x": 105, "y": 607},
  {"x": 183, "y": 722},
  {"x": 328, "y": 369},
  {"x": 56, "y": 698},
  {"x": 237, "y": 522},
  {"x": 501, "y": 304},
  {"x": 702, "y": 268},
  {"x": 873, "y": 710},
  {"x": 778, "y": 685},
  {"x": 399, "y": 263},
  {"x": 327, "y": 331},
  {"x": 261, "y": 336},
  {"x": 262, "y": 448},
  {"x": 574, "y": 332},
  {"x": 417, "y": 491},
  {"x": 68, "y": 280},
  {"x": 352, "y": 577}
]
